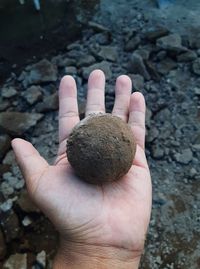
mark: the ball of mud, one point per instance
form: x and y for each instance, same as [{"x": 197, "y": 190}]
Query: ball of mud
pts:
[{"x": 101, "y": 148}]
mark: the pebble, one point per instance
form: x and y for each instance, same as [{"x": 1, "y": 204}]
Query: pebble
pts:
[
  {"x": 8, "y": 92},
  {"x": 26, "y": 221},
  {"x": 25, "y": 203},
  {"x": 33, "y": 94},
  {"x": 196, "y": 66},
  {"x": 172, "y": 42},
  {"x": 16, "y": 123},
  {"x": 86, "y": 60},
  {"x": 157, "y": 152},
  {"x": 43, "y": 71},
  {"x": 41, "y": 259},
  {"x": 16, "y": 261},
  {"x": 184, "y": 157},
  {"x": 137, "y": 66},
  {"x": 188, "y": 56},
  {"x": 49, "y": 103},
  {"x": 107, "y": 53},
  {"x": 104, "y": 66}
]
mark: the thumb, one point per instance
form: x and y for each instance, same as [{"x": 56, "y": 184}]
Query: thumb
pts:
[{"x": 31, "y": 164}]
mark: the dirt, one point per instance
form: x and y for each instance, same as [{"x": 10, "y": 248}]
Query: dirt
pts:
[{"x": 101, "y": 148}]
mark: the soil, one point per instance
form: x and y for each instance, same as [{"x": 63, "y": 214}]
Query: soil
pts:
[{"x": 101, "y": 148}]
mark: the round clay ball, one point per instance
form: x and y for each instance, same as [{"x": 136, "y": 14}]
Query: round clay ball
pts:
[{"x": 101, "y": 148}]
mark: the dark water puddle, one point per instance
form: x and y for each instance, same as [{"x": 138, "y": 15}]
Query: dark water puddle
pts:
[{"x": 27, "y": 34}]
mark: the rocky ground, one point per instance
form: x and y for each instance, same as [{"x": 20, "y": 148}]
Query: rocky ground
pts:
[{"x": 163, "y": 59}]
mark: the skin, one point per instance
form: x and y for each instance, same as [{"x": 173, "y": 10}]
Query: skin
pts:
[{"x": 100, "y": 227}]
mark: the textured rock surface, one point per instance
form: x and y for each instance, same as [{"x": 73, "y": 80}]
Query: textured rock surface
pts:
[
  {"x": 16, "y": 123},
  {"x": 101, "y": 148}
]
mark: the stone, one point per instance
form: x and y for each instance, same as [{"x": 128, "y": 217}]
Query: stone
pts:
[
  {"x": 196, "y": 66},
  {"x": 166, "y": 65},
  {"x": 152, "y": 134},
  {"x": 107, "y": 53},
  {"x": 6, "y": 189},
  {"x": 43, "y": 71},
  {"x": 152, "y": 70},
  {"x": 62, "y": 61},
  {"x": 133, "y": 43},
  {"x": 184, "y": 157},
  {"x": 2, "y": 246},
  {"x": 137, "y": 82},
  {"x": 41, "y": 259},
  {"x": 25, "y": 203},
  {"x": 9, "y": 158},
  {"x": 157, "y": 152},
  {"x": 188, "y": 56},
  {"x": 86, "y": 60},
  {"x": 197, "y": 91},
  {"x": 70, "y": 70},
  {"x": 33, "y": 94},
  {"x": 8, "y": 92},
  {"x": 137, "y": 66},
  {"x": 172, "y": 42},
  {"x": 50, "y": 103},
  {"x": 148, "y": 117},
  {"x": 98, "y": 27},
  {"x": 104, "y": 66},
  {"x": 194, "y": 41},
  {"x": 100, "y": 38},
  {"x": 155, "y": 33},
  {"x": 7, "y": 205},
  {"x": 4, "y": 145},
  {"x": 4, "y": 168},
  {"x": 143, "y": 52},
  {"x": 16, "y": 261},
  {"x": 17, "y": 123},
  {"x": 10, "y": 225},
  {"x": 26, "y": 221}
]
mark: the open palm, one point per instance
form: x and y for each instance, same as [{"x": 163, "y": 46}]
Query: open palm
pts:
[{"x": 116, "y": 214}]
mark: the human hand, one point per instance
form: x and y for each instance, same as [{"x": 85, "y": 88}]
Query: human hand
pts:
[{"x": 99, "y": 227}]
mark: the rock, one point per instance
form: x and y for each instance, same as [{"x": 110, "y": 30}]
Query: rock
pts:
[
  {"x": 148, "y": 117},
  {"x": 152, "y": 134},
  {"x": 7, "y": 205},
  {"x": 157, "y": 152},
  {"x": 6, "y": 189},
  {"x": 152, "y": 70},
  {"x": 41, "y": 259},
  {"x": 70, "y": 70},
  {"x": 137, "y": 82},
  {"x": 2, "y": 246},
  {"x": 4, "y": 168},
  {"x": 86, "y": 60},
  {"x": 16, "y": 261},
  {"x": 184, "y": 157},
  {"x": 143, "y": 52},
  {"x": 9, "y": 158},
  {"x": 16, "y": 123},
  {"x": 108, "y": 53},
  {"x": 155, "y": 33},
  {"x": 100, "y": 38},
  {"x": 26, "y": 221},
  {"x": 62, "y": 61},
  {"x": 196, "y": 66},
  {"x": 133, "y": 43},
  {"x": 10, "y": 225},
  {"x": 43, "y": 71},
  {"x": 25, "y": 203},
  {"x": 104, "y": 66},
  {"x": 4, "y": 145},
  {"x": 98, "y": 27},
  {"x": 172, "y": 42},
  {"x": 33, "y": 94},
  {"x": 166, "y": 65},
  {"x": 194, "y": 41},
  {"x": 188, "y": 56},
  {"x": 49, "y": 103},
  {"x": 137, "y": 66},
  {"x": 8, "y": 92},
  {"x": 197, "y": 91},
  {"x": 13, "y": 181}
]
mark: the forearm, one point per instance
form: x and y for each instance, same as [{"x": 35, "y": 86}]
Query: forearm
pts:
[{"x": 96, "y": 258}]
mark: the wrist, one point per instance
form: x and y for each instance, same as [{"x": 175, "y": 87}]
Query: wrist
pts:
[{"x": 96, "y": 257}]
